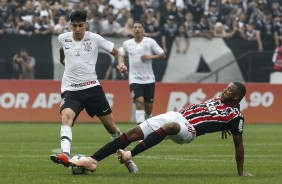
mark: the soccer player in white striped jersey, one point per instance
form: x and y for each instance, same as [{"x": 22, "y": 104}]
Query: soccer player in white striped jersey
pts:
[
  {"x": 141, "y": 51},
  {"x": 217, "y": 114},
  {"x": 80, "y": 88}
]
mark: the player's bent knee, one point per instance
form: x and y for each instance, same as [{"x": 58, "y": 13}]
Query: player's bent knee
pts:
[
  {"x": 67, "y": 117},
  {"x": 184, "y": 136},
  {"x": 134, "y": 134},
  {"x": 66, "y": 120},
  {"x": 171, "y": 128},
  {"x": 139, "y": 103}
]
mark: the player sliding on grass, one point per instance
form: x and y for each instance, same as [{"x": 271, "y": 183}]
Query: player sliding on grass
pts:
[
  {"x": 80, "y": 87},
  {"x": 217, "y": 114}
]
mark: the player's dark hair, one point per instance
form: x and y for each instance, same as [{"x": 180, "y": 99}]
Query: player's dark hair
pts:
[
  {"x": 241, "y": 90},
  {"x": 78, "y": 16},
  {"x": 140, "y": 22}
]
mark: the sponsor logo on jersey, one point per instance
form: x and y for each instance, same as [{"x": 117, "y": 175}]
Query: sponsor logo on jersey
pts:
[
  {"x": 83, "y": 84},
  {"x": 211, "y": 107},
  {"x": 142, "y": 78},
  {"x": 68, "y": 40}
]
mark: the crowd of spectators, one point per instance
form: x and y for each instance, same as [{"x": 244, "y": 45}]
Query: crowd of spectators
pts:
[{"x": 253, "y": 20}]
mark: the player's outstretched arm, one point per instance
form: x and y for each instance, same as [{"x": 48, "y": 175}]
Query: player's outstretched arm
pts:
[
  {"x": 156, "y": 56},
  {"x": 239, "y": 154}
]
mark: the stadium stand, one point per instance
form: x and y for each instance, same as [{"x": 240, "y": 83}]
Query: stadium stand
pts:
[{"x": 31, "y": 18}]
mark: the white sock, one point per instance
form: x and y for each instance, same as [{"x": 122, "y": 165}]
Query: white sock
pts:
[
  {"x": 140, "y": 116},
  {"x": 66, "y": 138}
]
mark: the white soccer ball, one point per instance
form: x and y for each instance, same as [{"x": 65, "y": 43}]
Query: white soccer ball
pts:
[{"x": 77, "y": 170}]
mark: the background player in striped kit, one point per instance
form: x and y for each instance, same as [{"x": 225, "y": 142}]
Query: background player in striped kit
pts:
[
  {"x": 80, "y": 87},
  {"x": 217, "y": 114}
]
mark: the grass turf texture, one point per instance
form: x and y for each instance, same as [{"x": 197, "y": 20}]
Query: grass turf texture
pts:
[{"x": 25, "y": 150}]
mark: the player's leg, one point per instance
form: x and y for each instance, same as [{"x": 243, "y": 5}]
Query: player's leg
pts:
[
  {"x": 70, "y": 109},
  {"x": 121, "y": 142},
  {"x": 171, "y": 124},
  {"x": 149, "y": 93},
  {"x": 111, "y": 127},
  {"x": 148, "y": 110},
  {"x": 186, "y": 134},
  {"x": 151, "y": 140},
  {"x": 67, "y": 116},
  {"x": 138, "y": 99},
  {"x": 98, "y": 105}
]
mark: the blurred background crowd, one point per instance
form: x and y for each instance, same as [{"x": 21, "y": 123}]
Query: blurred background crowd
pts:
[
  {"x": 245, "y": 25},
  {"x": 254, "y": 20}
]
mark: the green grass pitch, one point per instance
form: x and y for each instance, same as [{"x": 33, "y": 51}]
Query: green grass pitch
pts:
[{"x": 25, "y": 149}]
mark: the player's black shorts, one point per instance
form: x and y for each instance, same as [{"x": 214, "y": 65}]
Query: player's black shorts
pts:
[
  {"x": 145, "y": 90},
  {"x": 93, "y": 100}
]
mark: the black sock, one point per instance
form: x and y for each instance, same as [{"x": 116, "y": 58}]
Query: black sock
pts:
[
  {"x": 110, "y": 148},
  {"x": 151, "y": 140}
]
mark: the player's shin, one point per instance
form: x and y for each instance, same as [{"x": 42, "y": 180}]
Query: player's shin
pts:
[
  {"x": 151, "y": 140},
  {"x": 119, "y": 143},
  {"x": 66, "y": 139}
]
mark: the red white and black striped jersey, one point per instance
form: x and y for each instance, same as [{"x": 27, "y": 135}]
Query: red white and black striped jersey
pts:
[{"x": 213, "y": 116}]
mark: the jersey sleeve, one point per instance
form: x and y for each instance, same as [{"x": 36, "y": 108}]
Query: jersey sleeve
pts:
[
  {"x": 125, "y": 49},
  {"x": 236, "y": 125},
  {"x": 155, "y": 47},
  {"x": 62, "y": 38},
  {"x": 104, "y": 44}
]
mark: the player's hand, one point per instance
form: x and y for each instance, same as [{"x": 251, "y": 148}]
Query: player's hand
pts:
[
  {"x": 122, "y": 69},
  {"x": 246, "y": 174},
  {"x": 145, "y": 57},
  {"x": 224, "y": 134}
]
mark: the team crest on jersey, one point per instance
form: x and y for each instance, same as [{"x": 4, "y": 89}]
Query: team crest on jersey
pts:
[
  {"x": 87, "y": 46},
  {"x": 145, "y": 47},
  {"x": 228, "y": 111}
]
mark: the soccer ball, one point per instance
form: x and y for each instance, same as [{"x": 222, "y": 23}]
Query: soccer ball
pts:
[{"x": 77, "y": 170}]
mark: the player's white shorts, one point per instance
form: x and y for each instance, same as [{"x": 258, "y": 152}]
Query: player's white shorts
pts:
[{"x": 187, "y": 132}]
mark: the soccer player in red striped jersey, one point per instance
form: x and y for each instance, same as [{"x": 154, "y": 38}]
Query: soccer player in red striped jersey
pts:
[{"x": 214, "y": 115}]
